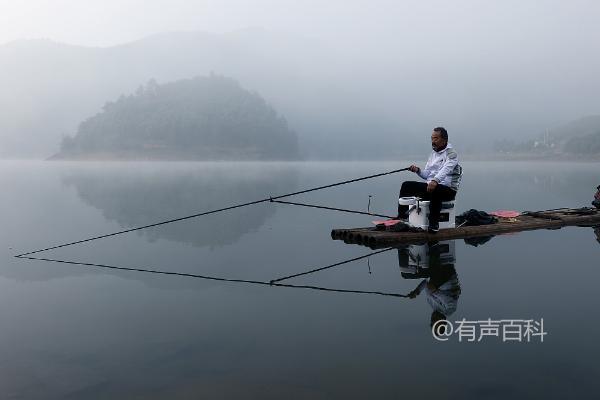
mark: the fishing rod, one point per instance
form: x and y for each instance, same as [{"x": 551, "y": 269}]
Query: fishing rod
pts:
[{"x": 268, "y": 199}]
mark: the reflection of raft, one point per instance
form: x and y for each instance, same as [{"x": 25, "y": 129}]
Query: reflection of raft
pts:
[{"x": 549, "y": 219}]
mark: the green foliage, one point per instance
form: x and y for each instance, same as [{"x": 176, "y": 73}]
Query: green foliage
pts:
[
  {"x": 205, "y": 118},
  {"x": 588, "y": 144}
]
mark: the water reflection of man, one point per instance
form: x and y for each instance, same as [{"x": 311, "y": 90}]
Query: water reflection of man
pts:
[
  {"x": 597, "y": 232},
  {"x": 441, "y": 285}
]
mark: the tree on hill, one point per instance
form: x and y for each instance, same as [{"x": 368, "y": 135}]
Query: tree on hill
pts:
[{"x": 204, "y": 118}]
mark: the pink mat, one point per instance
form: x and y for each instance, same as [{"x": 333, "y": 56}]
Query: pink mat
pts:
[
  {"x": 387, "y": 222},
  {"x": 505, "y": 213}
]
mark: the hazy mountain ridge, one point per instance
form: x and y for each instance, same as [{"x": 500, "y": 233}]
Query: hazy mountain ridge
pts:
[{"x": 344, "y": 101}]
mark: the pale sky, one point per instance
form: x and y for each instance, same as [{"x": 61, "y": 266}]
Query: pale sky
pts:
[{"x": 110, "y": 22}]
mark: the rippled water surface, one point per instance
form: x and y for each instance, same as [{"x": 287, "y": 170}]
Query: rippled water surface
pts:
[{"x": 87, "y": 331}]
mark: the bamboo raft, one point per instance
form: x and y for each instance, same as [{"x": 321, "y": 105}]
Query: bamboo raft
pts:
[{"x": 529, "y": 220}]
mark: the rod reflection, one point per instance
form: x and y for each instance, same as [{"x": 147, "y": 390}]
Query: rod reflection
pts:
[{"x": 220, "y": 279}]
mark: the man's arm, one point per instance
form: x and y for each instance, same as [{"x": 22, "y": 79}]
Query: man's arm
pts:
[
  {"x": 447, "y": 167},
  {"x": 424, "y": 173}
]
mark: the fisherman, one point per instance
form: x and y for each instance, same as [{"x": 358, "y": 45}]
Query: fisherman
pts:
[
  {"x": 596, "y": 202},
  {"x": 442, "y": 174}
]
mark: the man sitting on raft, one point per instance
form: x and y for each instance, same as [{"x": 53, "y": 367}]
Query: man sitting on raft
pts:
[{"x": 442, "y": 173}]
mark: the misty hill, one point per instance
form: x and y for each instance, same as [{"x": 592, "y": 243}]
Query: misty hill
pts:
[
  {"x": 583, "y": 126},
  {"x": 577, "y": 137},
  {"x": 205, "y": 118},
  {"x": 581, "y": 136},
  {"x": 49, "y": 87}
]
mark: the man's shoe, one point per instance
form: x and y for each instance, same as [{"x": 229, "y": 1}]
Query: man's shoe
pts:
[{"x": 434, "y": 227}]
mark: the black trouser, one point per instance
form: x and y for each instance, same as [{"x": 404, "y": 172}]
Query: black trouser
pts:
[{"x": 440, "y": 194}]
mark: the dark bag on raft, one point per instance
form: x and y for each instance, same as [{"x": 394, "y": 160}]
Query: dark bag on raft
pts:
[
  {"x": 400, "y": 226},
  {"x": 474, "y": 218}
]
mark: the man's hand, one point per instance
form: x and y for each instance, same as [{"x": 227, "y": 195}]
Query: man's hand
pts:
[
  {"x": 431, "y": 186},
  {"x": 414, "y": 168}
]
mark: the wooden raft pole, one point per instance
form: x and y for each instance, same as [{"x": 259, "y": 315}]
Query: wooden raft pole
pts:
[{"x": 551, "y": 219}]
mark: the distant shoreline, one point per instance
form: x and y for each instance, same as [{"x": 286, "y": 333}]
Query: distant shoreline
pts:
[
  {"x": 531, "y": 157},
  {"x": 464, "y": 157}
]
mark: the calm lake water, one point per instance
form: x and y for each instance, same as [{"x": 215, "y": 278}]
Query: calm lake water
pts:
[{"x": 71, "y": 331}]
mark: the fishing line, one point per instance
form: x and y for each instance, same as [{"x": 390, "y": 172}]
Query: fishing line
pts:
[
  {"x": 330, "y": 266},
  {"x": 214, "y": 278},
  {"x": 331, "y": 208}
]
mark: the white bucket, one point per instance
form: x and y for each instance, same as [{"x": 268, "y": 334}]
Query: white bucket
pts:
[
  {"x": 418, "y": 213},
  {"x": 407, "y": 201}
]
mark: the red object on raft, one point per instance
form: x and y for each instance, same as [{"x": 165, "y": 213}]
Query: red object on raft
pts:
[{"x": 505, "y": 213}]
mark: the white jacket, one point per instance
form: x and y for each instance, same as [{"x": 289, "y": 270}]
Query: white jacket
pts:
[{"x": 442, "y": 167}]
